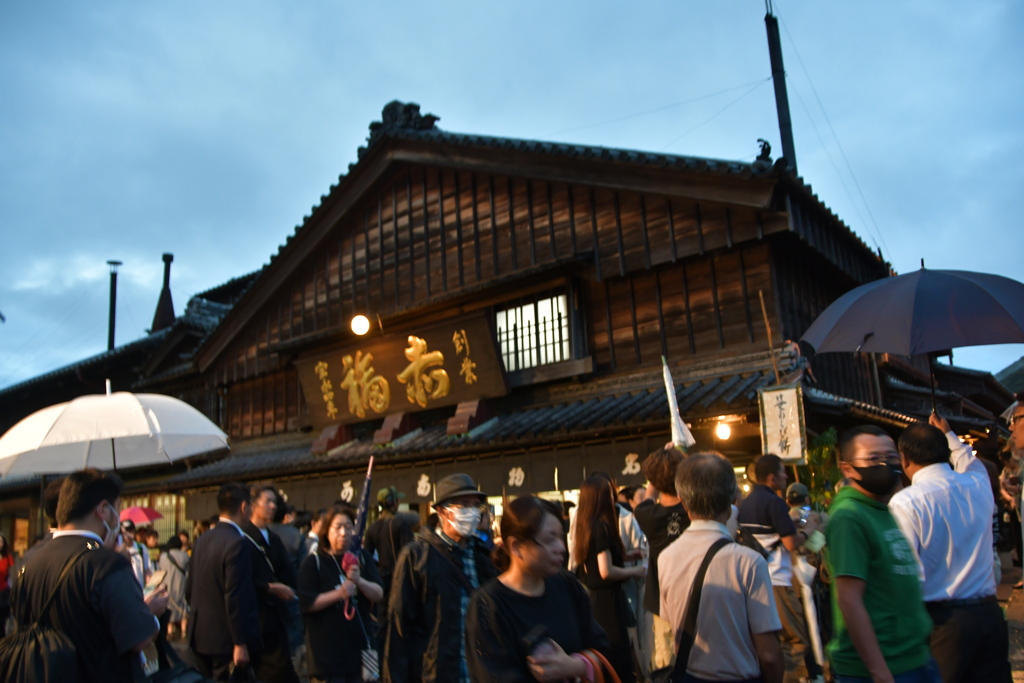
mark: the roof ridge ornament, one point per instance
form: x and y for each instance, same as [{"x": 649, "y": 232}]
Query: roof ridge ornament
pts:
[{"x": 401, "y": 116}]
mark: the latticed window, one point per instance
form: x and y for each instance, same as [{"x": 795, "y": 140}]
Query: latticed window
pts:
[{"x": 534, "y": 332}]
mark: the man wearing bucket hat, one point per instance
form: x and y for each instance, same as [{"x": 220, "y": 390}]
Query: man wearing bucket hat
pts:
[{"x": 434, "y": 578}]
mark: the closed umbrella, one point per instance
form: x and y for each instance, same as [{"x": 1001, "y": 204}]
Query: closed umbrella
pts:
[
  {"x": 922, "y": 312},
  {"x": 108, "y": 431}
]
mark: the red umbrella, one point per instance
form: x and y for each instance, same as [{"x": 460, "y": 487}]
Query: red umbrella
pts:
[{"x": 140, "y": 515}]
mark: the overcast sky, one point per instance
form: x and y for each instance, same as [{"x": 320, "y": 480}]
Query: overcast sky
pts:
[{"x": 209, "y": 129}]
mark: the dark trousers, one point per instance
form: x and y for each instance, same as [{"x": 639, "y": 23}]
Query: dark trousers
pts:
[
  {"x": 275, "y": 661},
  {"x": 214, "y": 667},
  {"x": 970, "y": 643},
  {"x": 346, "y": 678}
]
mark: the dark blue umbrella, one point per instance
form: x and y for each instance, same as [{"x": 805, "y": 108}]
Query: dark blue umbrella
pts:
[
  {"x": 359, "y": 523},
  {"x": 922, "y": 312}
]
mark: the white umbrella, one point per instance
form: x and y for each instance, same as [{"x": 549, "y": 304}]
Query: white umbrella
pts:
[{"x": 108, "y": 431}]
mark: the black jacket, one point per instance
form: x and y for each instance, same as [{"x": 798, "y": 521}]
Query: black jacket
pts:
[
  {"x": 270, "y": 564},
  {"x": 424, "y": 637},
  {"x": 102, "y": 628},
  {"x": 220, "y": 591}
]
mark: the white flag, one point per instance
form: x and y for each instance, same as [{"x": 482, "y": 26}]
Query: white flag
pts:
[{"x": 681, "y": 436}]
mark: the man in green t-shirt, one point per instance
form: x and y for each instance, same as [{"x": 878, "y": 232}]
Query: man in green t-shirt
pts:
[{"x": 881, "y": 625}]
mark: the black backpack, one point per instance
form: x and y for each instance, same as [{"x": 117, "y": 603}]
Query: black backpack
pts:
[{"x": 39, "y": 652}]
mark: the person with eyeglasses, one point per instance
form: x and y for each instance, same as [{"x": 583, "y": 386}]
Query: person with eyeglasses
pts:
[
  {"x": 881, "y": 627},
  {"x": 336, "y": 591},
  {"x": 434, "y": 578}
]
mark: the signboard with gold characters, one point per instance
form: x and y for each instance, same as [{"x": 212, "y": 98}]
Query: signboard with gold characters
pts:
[{"x": 441, "y": 365}]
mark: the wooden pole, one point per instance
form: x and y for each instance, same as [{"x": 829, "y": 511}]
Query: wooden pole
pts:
[{"x": 768, "y": 328}]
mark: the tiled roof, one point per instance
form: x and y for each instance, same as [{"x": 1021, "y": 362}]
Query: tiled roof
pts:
[
  {"x": 112, "y": 354},
  {"x": 403, "y": 121},
  {"x": 1012, "y": 376},
  {"x": 564, "y": 420},
  {"x": 204, "y": 314},
  {"x": 229, "y": 292},
  {"x": 849, "y": 405},
  {"x": 19, "y": 482}
]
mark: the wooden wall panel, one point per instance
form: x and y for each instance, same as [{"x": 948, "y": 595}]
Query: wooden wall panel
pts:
[
  {"x": 625, "y": 346},
  {"x": 686, "y": 220},
  {"x": 636, "y": 253},
  {"x": 659, "y": 236},
  {"x": 714, "y": 227},
  {"x": 647, "y": 317},
  {"x": 507, "y": 257},
  {"x": 733, "y": 300},
  {"x": 484, "y": 210},
  {"x": 665, "y": 276},
  {"x": 674, "y": 312}
]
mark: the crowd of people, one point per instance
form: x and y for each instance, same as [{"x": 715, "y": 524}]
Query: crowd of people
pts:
[{"x": 614, "y": 590}]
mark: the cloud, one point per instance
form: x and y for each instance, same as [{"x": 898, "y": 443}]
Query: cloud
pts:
[{"x": 209, "y": 129}]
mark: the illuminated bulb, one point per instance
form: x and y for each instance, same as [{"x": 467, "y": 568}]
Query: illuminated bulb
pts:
[
  {"x": 360, "y": 324},
  {"x": 722, "y": 431},
  {"x": 746, "y": 488}
]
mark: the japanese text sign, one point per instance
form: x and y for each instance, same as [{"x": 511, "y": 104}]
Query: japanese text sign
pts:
[
  {"x": 782, "y": 423},
  {"x": 439, "y": 365}
]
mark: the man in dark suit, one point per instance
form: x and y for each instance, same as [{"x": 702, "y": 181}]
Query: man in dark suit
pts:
[
  {"x": 224, "y": 623},
  {"x": 274, "y": 577}
]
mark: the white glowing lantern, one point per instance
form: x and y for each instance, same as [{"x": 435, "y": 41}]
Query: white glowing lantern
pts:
[
  {"x": 722, "y": 431},
  {"x": 360, "y": 324}
]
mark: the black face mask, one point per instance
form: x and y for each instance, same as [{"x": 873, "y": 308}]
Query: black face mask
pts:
[{"x": 879, "y": 480}]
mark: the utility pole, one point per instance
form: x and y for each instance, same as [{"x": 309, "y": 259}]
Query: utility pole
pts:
[
  {"x": 781, "y": 95},
  {"x": 113, "y": 303}
]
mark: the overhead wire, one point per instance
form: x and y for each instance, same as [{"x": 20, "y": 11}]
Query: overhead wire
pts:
[
  {"x": 46, "y": 330},
  {"x": 831, "y": 159},
  {"x": 627, "y": 117},
  {"x": 842, "y": 151},
  {"x": 715, "y": 115}
]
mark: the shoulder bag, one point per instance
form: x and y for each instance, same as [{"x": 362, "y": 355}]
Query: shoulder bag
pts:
[{"x": 684, "y": 640}]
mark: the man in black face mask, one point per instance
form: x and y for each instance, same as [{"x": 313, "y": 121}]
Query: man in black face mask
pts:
[{"x": 881, "y": 626}]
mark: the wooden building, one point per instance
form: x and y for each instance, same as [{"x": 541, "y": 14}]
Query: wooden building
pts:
[
  {"x": 521, "y": 296},
  {"x": 568, "y": 270}
]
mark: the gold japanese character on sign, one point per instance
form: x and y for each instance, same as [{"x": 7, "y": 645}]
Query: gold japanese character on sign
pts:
[
  {"x": 365, "y": 388},
  {"x": 461, "y": 342},
  {"x": 423, "y": 380},
  {"x": 326, "y": 388},
  {"x": 468, "y": 370}
]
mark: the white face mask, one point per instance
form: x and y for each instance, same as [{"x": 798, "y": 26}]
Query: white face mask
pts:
[{"x": 465, "y": 520}]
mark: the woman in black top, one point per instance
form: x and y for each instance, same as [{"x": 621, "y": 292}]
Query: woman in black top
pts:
[
  {"x": 334, "y": 642},
  {"x": 503, "y": 642},
  {"x": 600, "y": 558}
]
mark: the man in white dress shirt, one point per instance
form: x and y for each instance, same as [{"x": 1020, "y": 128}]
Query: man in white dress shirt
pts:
[{"x": 946, "y": 516}]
